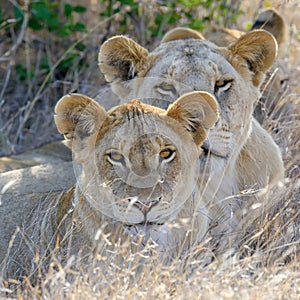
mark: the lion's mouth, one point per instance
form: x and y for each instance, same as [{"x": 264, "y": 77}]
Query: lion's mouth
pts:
[
  {"x": 148, "y": 232},
  {"x": 143, "y": 228},
  {"x": 145, "y": 224}
]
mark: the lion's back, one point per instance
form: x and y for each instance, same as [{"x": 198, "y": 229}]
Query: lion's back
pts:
[{"x": 23, "y": 190}]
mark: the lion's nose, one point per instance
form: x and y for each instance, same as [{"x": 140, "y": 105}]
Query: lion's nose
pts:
[{"x": 144, "y": 207}]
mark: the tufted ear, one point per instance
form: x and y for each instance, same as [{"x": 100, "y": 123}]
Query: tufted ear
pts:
[
  {"x": 197, "y": 112},
  {"x": 181, "y": 33},
  {"x": 121, "y": 58},
  {"x": 259, "y": 49},
  {"x": 78, "y": 118}
]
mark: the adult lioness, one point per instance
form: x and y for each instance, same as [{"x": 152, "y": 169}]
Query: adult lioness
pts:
[
  {"x": 239, "y": 153},
  {"x": 138, "y": 173}
]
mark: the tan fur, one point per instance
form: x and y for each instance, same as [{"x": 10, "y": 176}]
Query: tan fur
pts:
[
  {"x": 223, "y": 36},
  {"x": 129, "y": 181},
  {"x": 242, "y": 153},
  {"x": 132, "y": 61},
  {"x": 275, "y": 84},
  {"x": 271, "y": 21},
  {"x": 181, "y": 33},
  {"x": 21, "y": 190},
  {"x": 50, "y": 153}
]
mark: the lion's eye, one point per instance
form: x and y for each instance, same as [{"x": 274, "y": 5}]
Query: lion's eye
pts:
[
  {"x": 114, "y": 156},
  {"x": 223, "y": 85},
  {"x": 167, "y": 154},
  {"x": 166, "y": 89}
]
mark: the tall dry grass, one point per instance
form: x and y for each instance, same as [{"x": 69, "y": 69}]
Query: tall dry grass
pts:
[{"x": 266, "y": 265}]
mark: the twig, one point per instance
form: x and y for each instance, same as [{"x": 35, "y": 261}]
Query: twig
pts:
[{"x": 12, "y": 51}]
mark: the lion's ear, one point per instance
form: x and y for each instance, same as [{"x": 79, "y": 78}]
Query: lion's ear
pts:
[
  {"x": 259, "y": 49},
  {"x": 197, "y": 112},
  {"x": 271, "y": 21},
  {"x": 120, "y": 58},
  {"x": 181, "y": 33},
  {"x": 78, "y": 117}
]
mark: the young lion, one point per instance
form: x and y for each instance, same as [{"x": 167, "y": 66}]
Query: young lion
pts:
[{"x": 137, "y": 172}]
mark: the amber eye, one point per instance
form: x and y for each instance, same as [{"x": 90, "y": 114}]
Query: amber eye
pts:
[
  {"x": 220, "y": 83},
  {"x": 167, "y": 154},
  {"x": 223, "y": 85},
  {"x": 166, "y": 89},
  {"x": 115, "y": 157}
]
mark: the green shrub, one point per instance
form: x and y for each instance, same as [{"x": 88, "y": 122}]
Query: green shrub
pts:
[
  {"x": 49, "y": 47},
  {"x": 148, "y": 20}
]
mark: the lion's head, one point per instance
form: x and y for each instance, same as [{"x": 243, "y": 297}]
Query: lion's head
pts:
[
  {"x": 276, "y": 81},
  {"x": 138, "y": 162},
  {"x": 186, "y": 62}
]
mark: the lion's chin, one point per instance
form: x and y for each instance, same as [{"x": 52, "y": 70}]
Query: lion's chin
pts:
[{"x": 136, "y": 218}]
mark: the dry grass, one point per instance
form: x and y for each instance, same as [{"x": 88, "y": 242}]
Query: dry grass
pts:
[{"x": 266, "y": 265}]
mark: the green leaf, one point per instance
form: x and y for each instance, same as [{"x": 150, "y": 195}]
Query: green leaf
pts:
[
  {"x": 63, "y": 31},
  {"x": 53, "y": 23},
  {"x": 53, "y": 5},
  {"x": 268, "y": 4},
  {"x": 44, "y": 63},
  {"x": 40, "y": 11},
  {"x": 79, "y": 27},
  {"x": 19, "y": 14},
  {"x": 35, "y": 24},
  {"x": 1, "y": 15},
  {"x": 24, "y": 73},
  {"x": 248, "y": 25},
  {"x": 68, "y": 10},
  {"x": 197, "y": 24},
  {"x": 68, "y": 61},
  {"x": 80, "y": 46},
  {"x": 79, "y": 9}
]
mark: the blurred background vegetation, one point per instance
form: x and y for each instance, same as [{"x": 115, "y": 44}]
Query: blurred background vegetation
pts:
[
  {"x": 62, "y": 25},
  {"x": 49, "y": 48}
]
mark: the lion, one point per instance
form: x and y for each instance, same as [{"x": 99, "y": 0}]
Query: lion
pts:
[
  {"x": 239, "y": 152},
  {"x": 276, "y": 82},
  {"x": 137, "y": 171}
]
